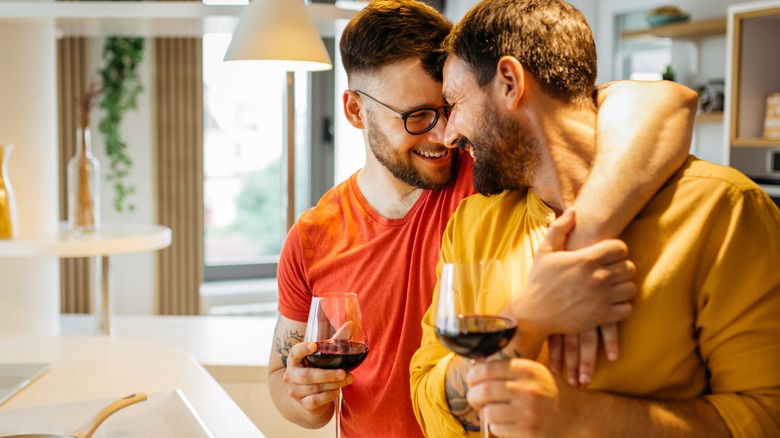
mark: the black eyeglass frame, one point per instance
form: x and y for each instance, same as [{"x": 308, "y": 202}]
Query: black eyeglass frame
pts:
[{"x": 405, "y": 115}]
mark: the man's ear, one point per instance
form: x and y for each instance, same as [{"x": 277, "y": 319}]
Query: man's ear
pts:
[
  {"x": 352, "y": 109},
  {"x": 509, "y": 81}
]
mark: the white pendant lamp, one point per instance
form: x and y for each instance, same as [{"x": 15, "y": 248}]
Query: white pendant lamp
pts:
[{"x": 280, "y": 33}]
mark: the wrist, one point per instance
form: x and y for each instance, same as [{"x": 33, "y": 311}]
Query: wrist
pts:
[{"x": 526, "y": 343}]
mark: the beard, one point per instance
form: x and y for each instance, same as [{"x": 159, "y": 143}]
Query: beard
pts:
[
  {"x": 505, "y": 158},
  {"x": 402, "y": 167}
]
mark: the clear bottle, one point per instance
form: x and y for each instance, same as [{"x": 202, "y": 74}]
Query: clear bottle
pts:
[
  {"x": 8, "y": 214},
  {"x": 83, "y": 186}
]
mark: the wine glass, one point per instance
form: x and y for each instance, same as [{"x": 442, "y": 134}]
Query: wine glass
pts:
[
  {"x": 336, "y": 325},
  {"x": 469, "y": 313}
]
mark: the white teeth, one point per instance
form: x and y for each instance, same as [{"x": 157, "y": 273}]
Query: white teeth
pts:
[{"x": 432, "y": 154}]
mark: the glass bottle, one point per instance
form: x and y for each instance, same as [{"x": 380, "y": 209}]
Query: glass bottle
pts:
[
  {"x": 83, "y": 186},
  {"x": 8, "y": 215}
]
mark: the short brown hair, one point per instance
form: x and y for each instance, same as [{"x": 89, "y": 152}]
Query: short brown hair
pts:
[
  {"x": 550, "y": 38},
  {"x": 388, "y": 31}
]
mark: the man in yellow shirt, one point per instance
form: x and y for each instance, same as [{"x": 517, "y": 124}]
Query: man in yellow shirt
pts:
[{"x": 700, "y": 356}]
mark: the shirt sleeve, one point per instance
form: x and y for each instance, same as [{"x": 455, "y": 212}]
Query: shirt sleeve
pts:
[
  {"x": 294, "y": 291},
  {"x": 428, "y": 369},
  {"x": 738, "y": 321}
]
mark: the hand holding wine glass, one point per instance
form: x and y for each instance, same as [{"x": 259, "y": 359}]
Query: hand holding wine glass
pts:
[
  {"x": 335, "y": 325},
  {"x": 469, "y": 319}
]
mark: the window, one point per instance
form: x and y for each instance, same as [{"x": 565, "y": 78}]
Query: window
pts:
[{"x": 244, "y": 188}]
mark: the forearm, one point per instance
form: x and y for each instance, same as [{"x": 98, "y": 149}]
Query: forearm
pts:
[
  {"x": 289, "y": 408},
  {"x": 646, "y": 418},
  {"x": 456, "y": 388},
  {"x": 643, "y": 136}
]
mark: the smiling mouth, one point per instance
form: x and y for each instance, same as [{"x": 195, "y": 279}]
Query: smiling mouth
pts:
[{"x": 432, "y": 154}]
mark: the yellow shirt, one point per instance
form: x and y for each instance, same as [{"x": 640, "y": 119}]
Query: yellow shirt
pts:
[{"x": 706, "y": 320}]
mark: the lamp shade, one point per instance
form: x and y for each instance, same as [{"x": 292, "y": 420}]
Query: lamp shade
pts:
[{"x": 279, "y": 32}]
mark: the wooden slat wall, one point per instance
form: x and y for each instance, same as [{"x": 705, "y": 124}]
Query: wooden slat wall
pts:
[
  {"x": 76, "y": 275},
  {"x": 178, "y": 102}
]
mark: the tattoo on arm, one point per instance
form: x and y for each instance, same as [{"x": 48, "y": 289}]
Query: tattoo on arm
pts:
[
  {"x": 455, "y": 389},
  {"x": 505, "y": 355},
  {"x": 283, "y": 344}
]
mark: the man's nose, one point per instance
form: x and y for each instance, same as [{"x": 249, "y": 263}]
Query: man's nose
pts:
[
  {"x": 436, "y": 134},
  {"x": 451, "y": 135}
]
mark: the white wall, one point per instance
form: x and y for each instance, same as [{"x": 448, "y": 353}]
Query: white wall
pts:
[
  {"x": 456, "y": 9},
  {"x": 350, "y": 150},
  {"x": 29, "y": 297}
]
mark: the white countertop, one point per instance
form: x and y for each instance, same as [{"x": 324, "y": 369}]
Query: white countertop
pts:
[
  {"x": 97, "y": 367},
  {"x": 231, "y": 348}
]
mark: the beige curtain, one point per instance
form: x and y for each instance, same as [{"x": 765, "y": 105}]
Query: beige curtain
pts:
[
  {"x": 178, "y": 103},
  {"x": 76, "y": 275}
]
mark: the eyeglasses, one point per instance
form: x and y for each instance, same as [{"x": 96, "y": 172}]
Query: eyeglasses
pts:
[{"x": 417, "y": 121}]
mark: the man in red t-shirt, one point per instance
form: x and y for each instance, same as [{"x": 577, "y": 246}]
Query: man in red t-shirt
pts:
[{"x": 378, "y": 233}]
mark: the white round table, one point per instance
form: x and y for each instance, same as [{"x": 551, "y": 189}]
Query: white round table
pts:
[{"x": 110, "y": 239}]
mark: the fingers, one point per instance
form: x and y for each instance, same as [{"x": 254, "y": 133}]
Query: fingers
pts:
[
  {"x": 609, "y": 333},
  {"x": 555, "y": 353},
  {"x": 345, "y": 331},
  {"x": 571, "y": 349},
  {"x": 516, "y": 397},
  {"x": 620, "y": 271},
  {"x": 500, "y": 370},
  {"x": 589, "y": 347},
  {"x": 606, "y": 252},
  {"x": 504, "y": 421},
  {"x": 618, "y": 312},
  {"x": 298, "y": 353},
  {"x": 558, "y": 231},
  {"x": 312, "y": 388}
]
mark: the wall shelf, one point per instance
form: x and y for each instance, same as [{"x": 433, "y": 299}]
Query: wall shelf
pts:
[
  {"x": 740, "y": 142},
  {"x": 149, "y": 19},
  {"x": 110, "y": 239},
  {"x": 684, "y": 30},
  {"x": 709, "y": 118}
]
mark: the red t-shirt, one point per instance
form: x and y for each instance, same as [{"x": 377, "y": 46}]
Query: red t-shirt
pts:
[{"x": 342, "y": 244}]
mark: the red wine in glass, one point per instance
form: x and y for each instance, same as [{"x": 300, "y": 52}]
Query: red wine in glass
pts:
[
  {"x": 335, "y": 354},
  {"x": 478, "y": 336},
  {"x": 336, "y": 326},
  {"x": 470, "y": 319}
]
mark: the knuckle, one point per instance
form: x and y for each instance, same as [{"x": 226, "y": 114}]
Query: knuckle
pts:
[
  {"x": 598, "y": 278},
  {"x": 309, "y": 403},
  {"x": 601, "y": 313}
]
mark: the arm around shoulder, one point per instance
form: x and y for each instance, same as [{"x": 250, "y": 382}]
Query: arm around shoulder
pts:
[{"x": 644, "y": 132}]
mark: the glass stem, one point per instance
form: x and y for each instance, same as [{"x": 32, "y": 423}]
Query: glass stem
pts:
[
  {"x": 483, "y": 424},
  {"x": 338, "y": 414}
]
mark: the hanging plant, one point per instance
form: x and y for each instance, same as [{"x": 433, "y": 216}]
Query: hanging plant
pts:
[
  {"x": 118, "y": 92},
  {"x": 121, "y": 86}
]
